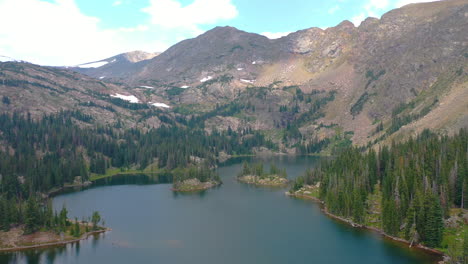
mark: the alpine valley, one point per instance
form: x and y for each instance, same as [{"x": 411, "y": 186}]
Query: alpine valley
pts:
[{"x": 387, "y": 101}]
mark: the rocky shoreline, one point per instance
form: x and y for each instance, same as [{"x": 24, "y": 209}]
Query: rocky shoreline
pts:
[
  {"x": 269, "y": 181},
  {"x": 194, "y": 185},
  {"x": 324, "y": 209},
  {"x": 77, "y": 183},
  {"x": 55, "y": 243}
]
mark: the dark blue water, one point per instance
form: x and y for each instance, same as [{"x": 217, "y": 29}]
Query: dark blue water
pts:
[{"x": 234, "y": 223}]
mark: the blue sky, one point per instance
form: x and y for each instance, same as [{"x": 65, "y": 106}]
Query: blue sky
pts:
[{"x": 69, "y": 32}]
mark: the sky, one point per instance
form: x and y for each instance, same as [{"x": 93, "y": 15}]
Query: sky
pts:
[{"x": 71, "y": 32}]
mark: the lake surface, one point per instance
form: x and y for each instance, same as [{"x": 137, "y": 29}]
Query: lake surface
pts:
[{"x": 234, "y": 223}]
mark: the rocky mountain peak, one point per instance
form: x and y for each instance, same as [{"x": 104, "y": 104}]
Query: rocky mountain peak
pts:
[
  {"x": 138, "y": 55},
  {"x": 345, "y": 25}
]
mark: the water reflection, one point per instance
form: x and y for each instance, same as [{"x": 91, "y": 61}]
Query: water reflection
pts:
[
  {"x": 138, "y": 179},
  {"x": 233, "y": 224},
  {"x": 49, "y": 254}
]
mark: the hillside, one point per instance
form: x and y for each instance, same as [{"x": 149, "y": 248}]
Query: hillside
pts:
[
  {"x": 117, "y": 67},
  {"x": 388, "y": 78},
  {"x": 41, "y": 90}
]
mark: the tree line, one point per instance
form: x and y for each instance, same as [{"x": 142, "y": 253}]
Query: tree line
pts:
[
  {"x": 46, "y": 153},
  {"x": 416, "y": 183},
  {"x": 36, "y": 214}
]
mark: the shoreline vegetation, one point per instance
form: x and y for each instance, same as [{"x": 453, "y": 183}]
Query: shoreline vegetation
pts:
[
  {"x": 195, "y": 179},
  {"x": 194, "y": 185},
  {"x": 42, "y": 239},
  {"x": 46, "y": 229},
  {"x": 256, "y": 175},
  {"x": 310, "y": 192},
  {"x": 416, "y": 190}
]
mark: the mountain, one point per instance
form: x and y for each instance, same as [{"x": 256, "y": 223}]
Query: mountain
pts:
[
  {"x": 387, "y": 79},
  {"x": 39, "y": 90},
  {"x": 116, "y": 67},
  {"x": 412, "y": 60},
  {"x": 220, "y": 50}
]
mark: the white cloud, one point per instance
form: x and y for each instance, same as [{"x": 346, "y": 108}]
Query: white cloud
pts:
[
  {"x": 171, "y": 13},
  {"x": 356, "y": 20},
  {"x": 275, "y": 35},
  {"x": 333, "y": 9},
  {"x": 372, "y": 8},
  {"x": 117, "y": 3},
  {"x": 140, "y": 28},
  {"x": 58, "y": 33},
  {"x": 375, "y": 8},
  {"x": 401, "y": 3},
  {"x": 35, "y": 28},
  {"x": 377, "y": 4}
]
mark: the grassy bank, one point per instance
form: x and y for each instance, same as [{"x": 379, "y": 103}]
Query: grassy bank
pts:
[{"x": 116, "y": 171}]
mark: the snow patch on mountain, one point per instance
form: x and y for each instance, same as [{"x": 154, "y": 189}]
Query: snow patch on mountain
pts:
[
  {"x": 247, "y": 81},
  {"x": 206, "y": 79},
  {"x": 160, "y": 105},
  {"x": 93, "y": 64},
  {"x": 131, "y": 98}
]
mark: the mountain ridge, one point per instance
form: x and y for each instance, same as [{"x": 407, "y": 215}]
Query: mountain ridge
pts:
[{"x": 399, "y": 72}]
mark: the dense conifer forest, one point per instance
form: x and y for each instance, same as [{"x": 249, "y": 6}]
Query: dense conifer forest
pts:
[
  {"x": 414, "y": 183},
  {"x": 39, "y": 155},
  {"x": 406, "y": 189}
]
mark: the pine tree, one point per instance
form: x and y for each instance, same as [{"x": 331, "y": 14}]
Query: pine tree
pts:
[
  {"x": 95, "y": 219},
  {"x": 4, "y": 221},
  {"x": 390, "y": 218},
  {"x": 358, "y": 207},
  {"x": 63, "y": 218},
  {"x": 32, "y": 220},
  {"x": 434, "y": 223},
  {"x": 76, "y": 232}
]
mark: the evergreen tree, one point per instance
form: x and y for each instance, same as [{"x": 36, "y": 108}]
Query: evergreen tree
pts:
[
  {"x": 76, "y": 232},
  {"x": 63, "y": 218},
  {"x": 96, "y": 218},
  {"x": 434, "y": 223},
  {"x": 32, "y": 220}
]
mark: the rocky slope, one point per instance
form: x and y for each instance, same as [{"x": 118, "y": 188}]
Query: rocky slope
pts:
[
  {"x": 388, "y": 78},
  {"x": 39, "y": 90},
  {"x": 117, "y": 67}
]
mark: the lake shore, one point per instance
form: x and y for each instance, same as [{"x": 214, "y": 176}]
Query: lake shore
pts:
[
  {"x": 56, "y": 191},
  {"x": 41, "y": 239},
  {"x": 268, "y": 181},
  {"x": 324, "y": 209},
  {"x": 194, "y": 185}
]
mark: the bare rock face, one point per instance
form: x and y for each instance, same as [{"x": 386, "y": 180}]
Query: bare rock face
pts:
[
  {"x": 413, "y": 55},
  {"x": 39, "y": 90},
  {"x": 137, "y": 56},
  {"x": 219, "y": 51},
  {"x": 118, "y": 67},
  {"x": 221, "y": 123},
  {"x": 304, "y": 41}
]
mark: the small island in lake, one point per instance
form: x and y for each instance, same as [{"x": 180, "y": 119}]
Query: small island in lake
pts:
[
  {"x": 255, "y": 174},
  {"x": 195, "y": 179},
  {"x": 32, "y": 225}
]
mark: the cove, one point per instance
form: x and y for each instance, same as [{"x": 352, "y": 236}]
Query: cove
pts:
[{"x": 234, "y": 223}]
